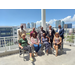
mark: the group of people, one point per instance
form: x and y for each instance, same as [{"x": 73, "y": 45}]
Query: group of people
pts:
[{"x": 40, "y": 39}]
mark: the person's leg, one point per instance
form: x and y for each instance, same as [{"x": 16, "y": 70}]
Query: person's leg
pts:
[
  {"x": 30, "y": 51},
  {"x": 56, "y": 50},
  {"x": 54, "y": 47},
  {"x": 40, "y": 40},
  {"x": 62, "y": 43},
  {"x": 36, "y": 47},
  {"x": 39, "y": 47},
  {"x": 51, "y": 43}
]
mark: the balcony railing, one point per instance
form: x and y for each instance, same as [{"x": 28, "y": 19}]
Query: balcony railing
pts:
[
  {"x": 11, "y": 43},
  {"x": 8, "y": 43}
]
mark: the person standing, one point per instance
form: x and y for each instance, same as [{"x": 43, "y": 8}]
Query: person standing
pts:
[
  {"x": 61, "y": 33},
  {"x": 40, "y": 33},
  {"x": 20, "y": 32},
  {"x": 50, "y": 34},
  {"x": 33, "y": 31}
]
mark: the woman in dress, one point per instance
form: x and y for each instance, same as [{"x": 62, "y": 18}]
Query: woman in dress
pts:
[
  {"x": 57, "y": 42},
  {"x": 45, "y": 41}
]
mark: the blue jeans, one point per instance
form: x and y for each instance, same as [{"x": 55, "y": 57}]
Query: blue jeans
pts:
[{"x": 37, "y": 47}]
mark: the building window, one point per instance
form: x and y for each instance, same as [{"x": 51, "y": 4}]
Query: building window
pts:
[
  {"x": 2, "y": 33},
  {"x": 15, "y": 29},
  {"x": 15, "y": 32}
]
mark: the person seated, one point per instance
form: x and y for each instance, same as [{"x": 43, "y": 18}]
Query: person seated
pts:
[
  {"x": 57, "y": 42},
  {"x": 36, "y": 43},
  {"x": 23, "y": 44},
  {"x": 46, "y": 42}
]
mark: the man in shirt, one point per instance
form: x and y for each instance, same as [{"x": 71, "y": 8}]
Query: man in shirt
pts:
[
  {"x": 50, "y": 34},
  {"x": 20, "y": 32},
  {"x": 61, "y": 33},
  {"x": 40, "y": 33},
  {"x": 33, "y": 31}
]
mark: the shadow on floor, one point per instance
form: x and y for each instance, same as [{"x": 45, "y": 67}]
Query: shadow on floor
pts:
[
  {"x": 26, "y": 57},
  {"x": 64, "y": 51}
]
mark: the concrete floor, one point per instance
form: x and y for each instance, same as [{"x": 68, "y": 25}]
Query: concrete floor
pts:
[{"x": 67, "y": 58}]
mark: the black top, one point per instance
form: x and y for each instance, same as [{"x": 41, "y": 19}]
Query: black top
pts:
[
  {"x": 52, "y": 33},
  {"x": 40, "y": 33}
]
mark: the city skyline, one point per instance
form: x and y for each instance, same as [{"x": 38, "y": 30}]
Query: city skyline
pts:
[{"x": 14, "y": 17}]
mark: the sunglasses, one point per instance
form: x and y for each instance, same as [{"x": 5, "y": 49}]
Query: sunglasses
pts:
[
  {"x": 23, "y": 36},
  {"x": 57, "y": 34}
]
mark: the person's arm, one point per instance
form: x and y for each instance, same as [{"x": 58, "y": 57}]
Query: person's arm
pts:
[
  {"x": 18, "y": 34},
  {"x": 41, "y": 40},
  {"x": 53, "y": 31},
  {"x": 32, "y": 40},
  {"x": 38, "y": 40},
  {"x": 53, "y": 41},
  {"x": 62, "y": 32},
  {"x": 49, "y": 40},
  {"x": 20, "y": 46}
]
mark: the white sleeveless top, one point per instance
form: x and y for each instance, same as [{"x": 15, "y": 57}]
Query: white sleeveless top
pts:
[{"x": 35, "y": 39}]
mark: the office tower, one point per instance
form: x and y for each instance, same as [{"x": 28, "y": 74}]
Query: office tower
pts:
[
  {"x": 40, "y": 23},
  {"x": 62, "y": 24},
  {"x": 57, "y": 23},
  {"x": 65, "y": 25},
  {"x": 28, "y": 25},
  {"x": 32, "y": 24},
  {"x": 68, "y": 25}
]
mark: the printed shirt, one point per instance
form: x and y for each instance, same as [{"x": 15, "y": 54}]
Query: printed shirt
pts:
[{"x": 23, "y": 42}]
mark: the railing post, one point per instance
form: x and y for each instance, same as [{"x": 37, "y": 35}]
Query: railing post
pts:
[
  {"x": 5, "y": 44},
  {"x": 9, "y": 44},
  {"x": 74, "y": 38}
]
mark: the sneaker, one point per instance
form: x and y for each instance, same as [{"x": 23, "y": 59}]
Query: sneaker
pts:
[{"x": 31, "y": 58}]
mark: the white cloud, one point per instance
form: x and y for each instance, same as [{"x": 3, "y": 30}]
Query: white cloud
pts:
[
  {"x": 51, "y": 21},
  {"x": 66, "y": 19},
  {"x": 38, "y": 22},
  {"x": 69, "y": 19},
  {"x": 73, "y": 25}
]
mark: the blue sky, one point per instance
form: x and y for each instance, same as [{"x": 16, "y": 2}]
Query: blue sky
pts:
[{"x": 11, "y": 17}]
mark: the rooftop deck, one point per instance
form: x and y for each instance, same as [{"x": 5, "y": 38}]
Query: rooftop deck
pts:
[{"x": 67, "y": 58}]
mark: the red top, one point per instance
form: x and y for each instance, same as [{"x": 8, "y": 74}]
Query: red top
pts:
[{"x": 32, "y": 33}]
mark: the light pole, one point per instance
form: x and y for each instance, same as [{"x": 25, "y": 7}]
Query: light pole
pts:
[{"x": 43, "y": 18}]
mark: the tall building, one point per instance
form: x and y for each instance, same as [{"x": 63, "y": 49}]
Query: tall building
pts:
[
  {"x": 57, "y": 23},
  {"x": 40, "y": 23},
  {"x": 32, "y": 24},
  {"x": 28, "y": 25},
  {"x": 8, "y": 31},
  {"x": 62, "y": 24},
  {"x": 65, "y": 25},
  {"x": 68, "y": 25}
]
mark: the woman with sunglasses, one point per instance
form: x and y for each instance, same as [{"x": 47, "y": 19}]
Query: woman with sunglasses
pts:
[
  {"x": 23, "y": 44},
  {"x": 36, "y": 43},
  {"x": 57, "y": 42}
]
